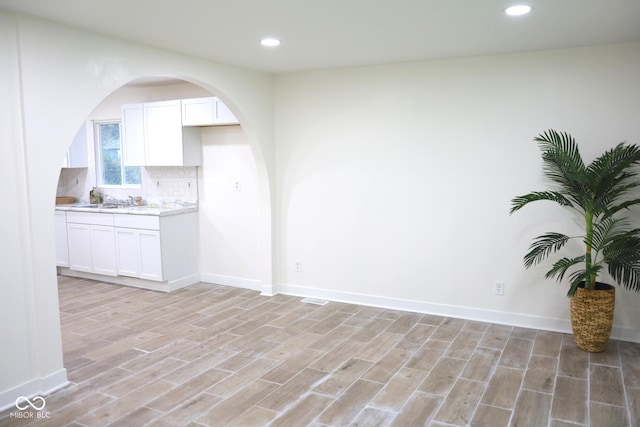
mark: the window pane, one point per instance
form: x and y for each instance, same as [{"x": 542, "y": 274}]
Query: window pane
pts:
[
  {"x": 132, "y": 174},
  {"x": 113, "y": 171},
  {"x": 111, "y": 161}
]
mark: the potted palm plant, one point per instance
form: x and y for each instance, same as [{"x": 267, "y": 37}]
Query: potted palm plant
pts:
[{"x": 599, "y": 193}]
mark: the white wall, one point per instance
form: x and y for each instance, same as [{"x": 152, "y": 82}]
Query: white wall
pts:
[
  {"x": 394, "y": 182},
  {"x": 229, "y": 218},
  {"x": 53, "y": 77},
  {"x": 19, "y": 303}
]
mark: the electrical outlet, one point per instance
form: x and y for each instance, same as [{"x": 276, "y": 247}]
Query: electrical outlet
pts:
[
  {"x": 498, "y": 288},
  {"x": 236, "y": 185},
  {"x": 298, "y": 266}
]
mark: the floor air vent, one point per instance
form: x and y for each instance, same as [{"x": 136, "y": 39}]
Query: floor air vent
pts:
[{"x": 314, "y": 301}]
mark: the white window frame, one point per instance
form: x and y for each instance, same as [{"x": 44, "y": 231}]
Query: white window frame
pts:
[{"x": 98, "y": 153}]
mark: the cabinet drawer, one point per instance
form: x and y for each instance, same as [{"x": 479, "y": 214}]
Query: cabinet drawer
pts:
[
  {"x": 145, "y": 222},
  {"x": 90, "y": 218}
]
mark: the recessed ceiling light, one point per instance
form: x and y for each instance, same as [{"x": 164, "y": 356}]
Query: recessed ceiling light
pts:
[
  {"x": 517, "y": 10},
  {"x": 270, "y": 42}
]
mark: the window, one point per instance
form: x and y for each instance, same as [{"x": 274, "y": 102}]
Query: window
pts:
[{"x": 110, "y": 168}]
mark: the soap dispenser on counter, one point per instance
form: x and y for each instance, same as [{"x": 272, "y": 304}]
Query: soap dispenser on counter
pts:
[{"x": 95, "y": 196}]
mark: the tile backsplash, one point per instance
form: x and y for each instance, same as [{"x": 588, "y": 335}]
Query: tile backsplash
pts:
[
  {"x": 172, "y": 183},
  {"x": 158, "y": 184}
]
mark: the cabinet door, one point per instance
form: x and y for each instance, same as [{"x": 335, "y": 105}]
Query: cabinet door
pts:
[
  {"x": 128, "y": 252},
  {"x": 79, "y": 242},
  {"x": 198, "y": 112},
  {"x": 139, "y": 253},
  {"x": 224, "y": 116},
  {"x": 103, "y": 250},
  {"x": 60, "y": 229},
  {"x": 163, "y": 133},
  {"x": 133, "y": 135},
  {"x": 150, "y": 255},
  {"x": 76, "y": 156}
]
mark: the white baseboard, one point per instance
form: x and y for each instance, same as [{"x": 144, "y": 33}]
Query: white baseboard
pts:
[
  {"x": 460, "y": 312},
  {"x": 268, "y": 290},
  {"x": 132, "y": 281},
  {"x": 36, "y": 387},
  {"x": 182, "y": 282},
  {"x": 235, "y": 282},
  {"x": 625, "y": 334}
]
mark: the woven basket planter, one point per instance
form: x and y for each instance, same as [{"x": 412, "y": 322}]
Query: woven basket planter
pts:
[{"x": 592, "y": 316}]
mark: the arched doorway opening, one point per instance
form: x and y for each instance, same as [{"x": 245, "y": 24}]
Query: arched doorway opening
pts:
[
  {"x": 54, "y": 76},
  {"x": 226, "y": 186}
]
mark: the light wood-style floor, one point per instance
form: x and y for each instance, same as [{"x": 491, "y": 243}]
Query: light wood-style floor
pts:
[{"x": 210, "y": 355}]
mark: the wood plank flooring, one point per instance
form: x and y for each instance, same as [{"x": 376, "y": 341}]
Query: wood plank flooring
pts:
[{"x": 210, "y": 355}]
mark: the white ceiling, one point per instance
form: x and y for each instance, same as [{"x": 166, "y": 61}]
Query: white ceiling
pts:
[{"x": 320, "y": 34}]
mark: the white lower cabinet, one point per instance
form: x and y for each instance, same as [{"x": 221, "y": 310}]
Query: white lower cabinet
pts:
[
  {"x": 150, "y": 247},
  {"x": 150, "y": 255},
  {"x": 79, "y": 240},
  {"x": 91, "y": 243},
  {"x": 159, "y": 248},
  {"x": 138, "y": 247},
  {"x": 103, "y": 250},
  {"x": 62, "y": 247}
]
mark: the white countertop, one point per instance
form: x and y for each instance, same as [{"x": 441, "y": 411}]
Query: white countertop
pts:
[{"x": 159, "y": 210}]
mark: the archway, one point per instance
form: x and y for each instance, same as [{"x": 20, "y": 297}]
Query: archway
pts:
[
  {"x": 230, "y": 235},
  {"x": 76, "y": 182},
  {"x": 54, "y": 75}
]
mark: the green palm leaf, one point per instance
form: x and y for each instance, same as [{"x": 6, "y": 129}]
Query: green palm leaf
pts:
[
  {"x": 553, "y": 196},
  {"x": 543, "y": 246},
  {"x": 613, "y": 177},
  {"x": 561, "y": 266},
  {"x": 623, "y": 259},
  {"x": 600, "y": 192},
  {"x": 575, "y": 280},
  {"x": 606, "y": 232},
  {"x": 563, "y": 164}
]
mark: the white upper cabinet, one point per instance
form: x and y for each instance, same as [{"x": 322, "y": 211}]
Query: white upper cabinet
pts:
[
  {"x": 76, "y": 156},
  {"x": 198, "y": 112},
  {"x": 206, "y": 112},
  {"x": 165, "y": 133},
  {"x": 167, "y": 143},
  {"x": 224, "y": 116},
  {"x": 152, "y": 135},
  {"x": 133, "y": 135}
]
